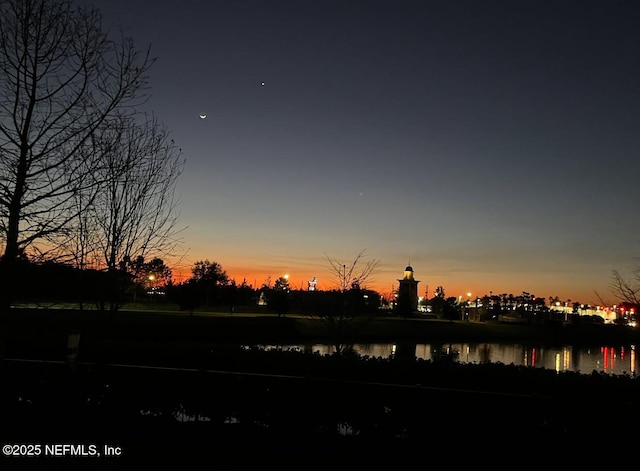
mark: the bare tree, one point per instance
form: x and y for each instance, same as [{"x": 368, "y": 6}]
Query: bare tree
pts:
[
  {"x": 626, "y": 290},
  {"x": 136, "y": 213},
  {"x": 348, "y": 310},
  {"x": 61, "y": 79},
  {"x": 76, "y": 243},
  {"x": 355, "y": 274},
  {"x": 134, "y": 217}
]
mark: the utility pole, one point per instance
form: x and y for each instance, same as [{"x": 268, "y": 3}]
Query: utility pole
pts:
[{"x": 344, "y": 277}]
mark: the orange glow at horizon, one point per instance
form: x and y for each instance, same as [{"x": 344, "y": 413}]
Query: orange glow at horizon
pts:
[
  {"x": 258, "y": 278},
  {"x": 385, "y": 282}
]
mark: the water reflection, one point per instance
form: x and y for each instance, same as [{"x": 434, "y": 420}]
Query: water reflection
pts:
[{"x": 610, "y": 360}]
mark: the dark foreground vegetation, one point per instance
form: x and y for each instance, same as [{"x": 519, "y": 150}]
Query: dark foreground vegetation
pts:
[{"x": 173, "y": 386}]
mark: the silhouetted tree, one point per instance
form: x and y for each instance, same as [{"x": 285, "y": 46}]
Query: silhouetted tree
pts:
[
  {"x": 356, "y": 274},
  {"x": 278, "y": 296},
  {"x": 149, "y": 276},
  {"x": 626, "y": 289},
  {"x": 209, "y": 277},
  {"x": 204, "y": 271},
  {"x": 234, "y": 295},
  {"x": 352, "y": 306},
  {"x": 187, "y": 295},
  {"x": 244, "y": 294},
  {"x": 156, "y": 271},
  {"x": 134, "y": 215},
  {"x": 61, "y": 80},
  {"x": 282, "y": 284},
  {"x": 445, "y": 308}
]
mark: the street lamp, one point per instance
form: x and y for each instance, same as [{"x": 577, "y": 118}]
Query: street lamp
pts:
[{"x": 151, "y": 282}]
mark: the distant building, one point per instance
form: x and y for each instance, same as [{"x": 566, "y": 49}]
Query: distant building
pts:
[
  {"x": 407, "y": 301},
  {"x": 311, "y": 285}
]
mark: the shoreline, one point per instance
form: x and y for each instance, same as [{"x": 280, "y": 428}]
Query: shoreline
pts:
[{"x": 47, "y": 330}]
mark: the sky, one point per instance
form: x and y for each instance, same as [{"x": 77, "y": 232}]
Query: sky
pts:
[{"x": 491, "y": 145}]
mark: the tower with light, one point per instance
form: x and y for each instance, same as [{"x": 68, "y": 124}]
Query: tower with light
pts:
[{"x": 407, "y": 302}]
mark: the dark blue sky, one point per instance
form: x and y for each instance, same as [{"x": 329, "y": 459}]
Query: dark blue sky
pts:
[{"x": 493, "y": 145}]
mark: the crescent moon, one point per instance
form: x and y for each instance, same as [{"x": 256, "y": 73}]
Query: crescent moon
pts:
[{"x": 202, "y": 116}]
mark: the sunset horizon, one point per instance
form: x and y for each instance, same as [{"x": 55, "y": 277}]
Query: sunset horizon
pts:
[{"x": 385, "y": 281}]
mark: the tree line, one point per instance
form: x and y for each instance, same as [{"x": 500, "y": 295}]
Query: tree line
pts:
[{"x": 86, "y": 175}]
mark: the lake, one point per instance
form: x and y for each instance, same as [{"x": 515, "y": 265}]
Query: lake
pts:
[{"x": 605, "y": 359}]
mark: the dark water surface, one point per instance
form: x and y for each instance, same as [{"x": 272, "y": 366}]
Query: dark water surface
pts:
[{"x": 615, "y": 360}]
